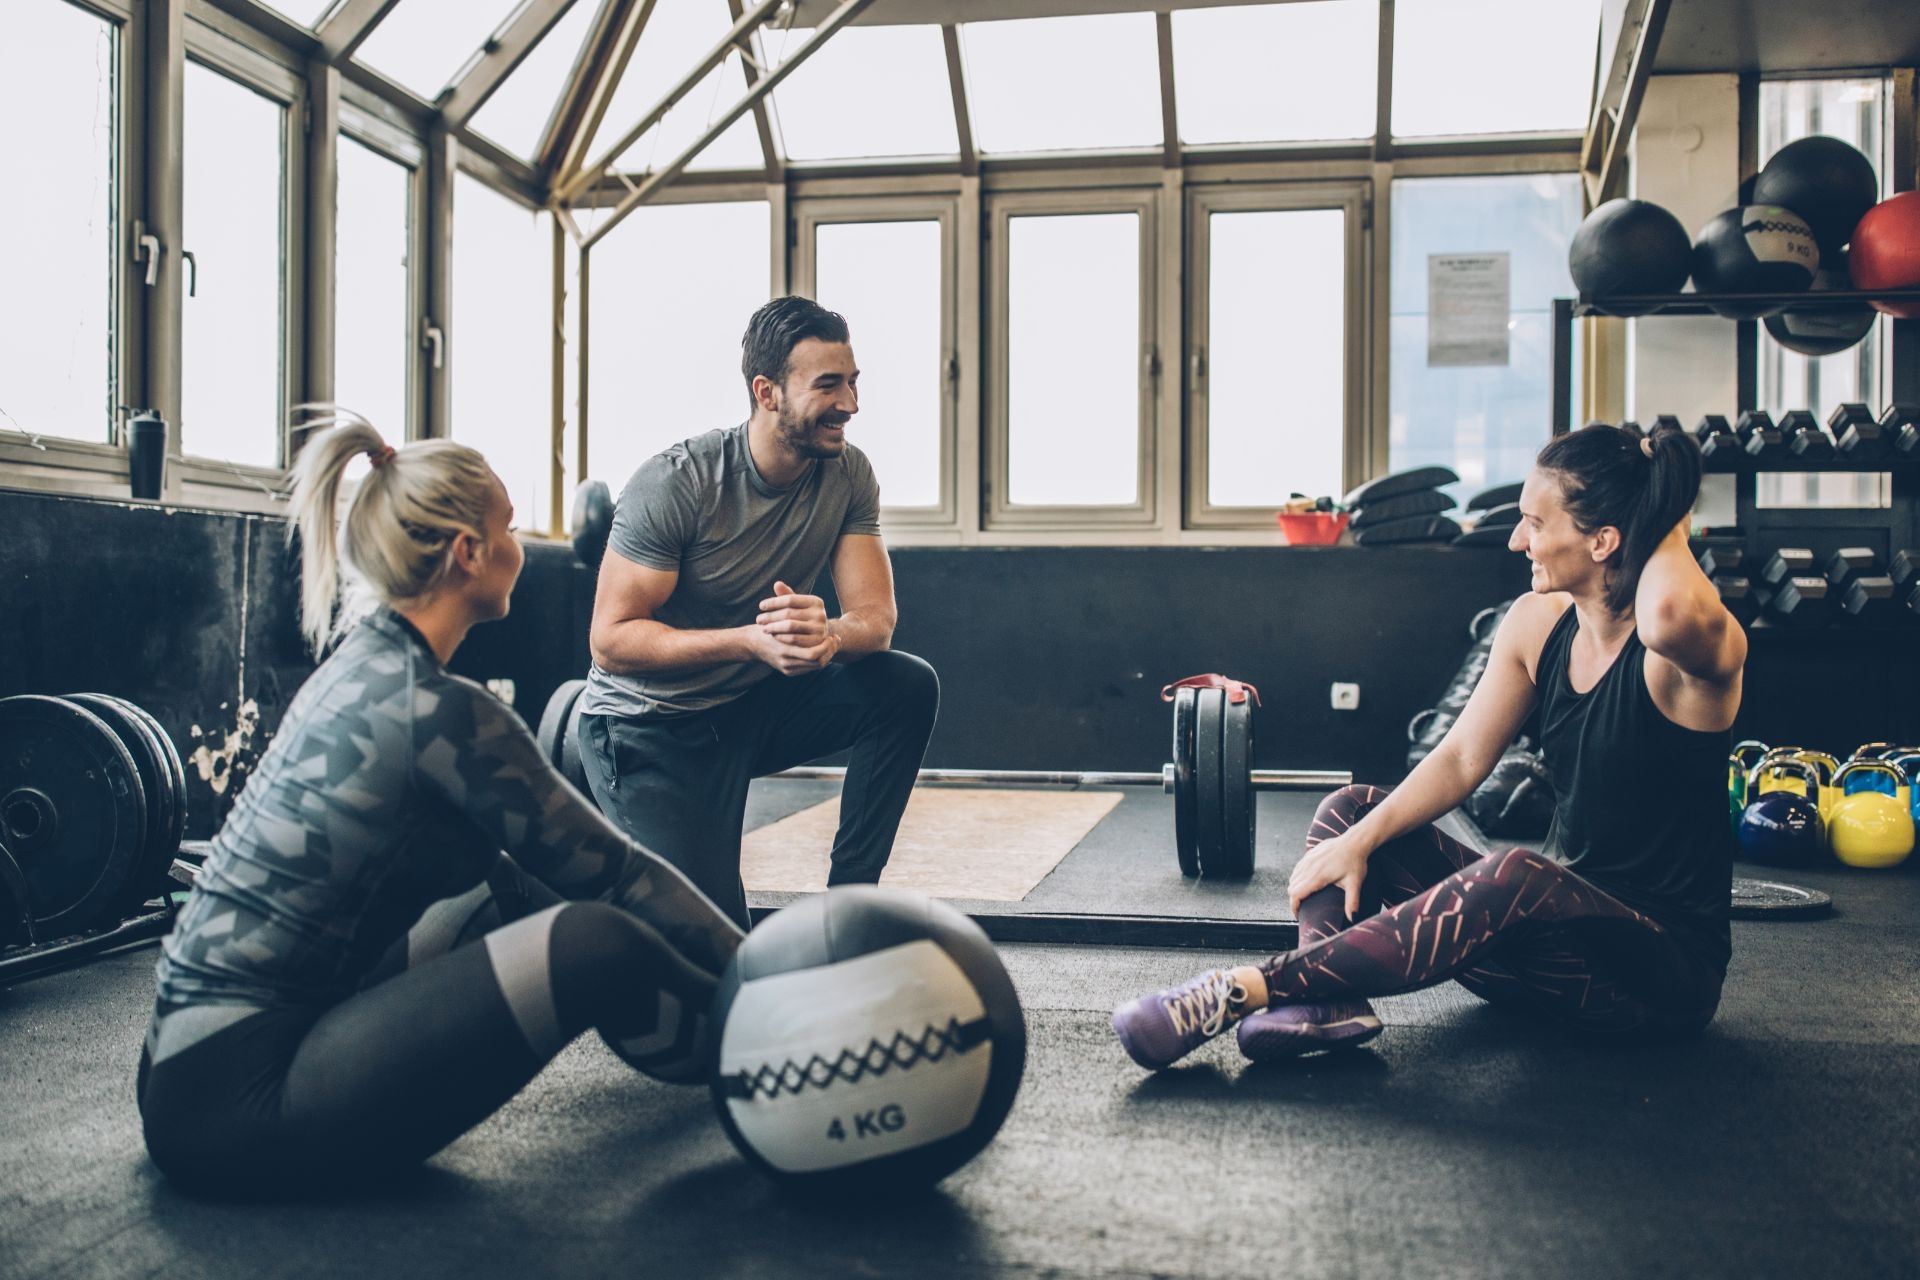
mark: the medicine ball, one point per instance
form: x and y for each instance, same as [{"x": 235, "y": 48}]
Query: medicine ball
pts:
[
  {"x": 1886, "y": 251},
  {"x": 1822, "y": 333},
  {"x": 1759, "y": 248},
  {"x": 591, "y": 522},
  {"x": 1825, "y": 181},
  {"x": 869, "y": 1039},
  {"x": 1629, "y": 246}
]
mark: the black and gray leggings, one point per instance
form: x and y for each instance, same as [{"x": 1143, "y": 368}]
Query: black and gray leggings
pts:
[
  {"x": 459, "y": 1016},
  {"x": 1515, "y": 928}
]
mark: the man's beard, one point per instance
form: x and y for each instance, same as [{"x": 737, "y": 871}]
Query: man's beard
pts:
[{"x": 802, "y": 435}]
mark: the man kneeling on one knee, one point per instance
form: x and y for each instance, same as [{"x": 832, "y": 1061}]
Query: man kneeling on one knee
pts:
[{"x": 712, "y": 662}]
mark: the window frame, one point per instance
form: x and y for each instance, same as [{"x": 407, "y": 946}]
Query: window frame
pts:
[
  {"x": 1354, "y": 199},
  {"x": 998, "y": 515},
  {"x": 807, "y": 218},
  {"x": 259, "y": 70},
  {"x": 364, "y": 119}
]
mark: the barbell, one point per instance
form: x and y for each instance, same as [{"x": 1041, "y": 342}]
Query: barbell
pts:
[{"x": 1210, "y": 776}]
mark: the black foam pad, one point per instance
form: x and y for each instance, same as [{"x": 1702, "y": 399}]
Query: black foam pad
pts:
[
  {"x": 1409, "y": 529},
  {"x": 1498, "y": 496},
  {"x": 1501, "y": 517},
  {"x": 1399, "y": 482},
  {"x": 1485, "y": 536},
  {"x": 1421, "y": 502}
]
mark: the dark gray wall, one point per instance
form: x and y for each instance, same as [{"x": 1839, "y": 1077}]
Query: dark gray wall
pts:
[{"x": 1049, "y": 657}]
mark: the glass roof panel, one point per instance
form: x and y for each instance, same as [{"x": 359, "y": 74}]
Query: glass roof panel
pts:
[
  {"x": 1277, "y": 73},
  {"x": 868, "y": 91},
  {"x": 422, "y": 43},
  {"x": 677, "y": 35},
  {"x": 516, "y": 115},
  {"x": 1454, "y": 71},
  {"x": 1053, "y": 84},
  {"x": 305, "y": 12}
]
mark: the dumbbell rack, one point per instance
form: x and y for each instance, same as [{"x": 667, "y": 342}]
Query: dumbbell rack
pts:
[{"x": 1769, "y": 527}]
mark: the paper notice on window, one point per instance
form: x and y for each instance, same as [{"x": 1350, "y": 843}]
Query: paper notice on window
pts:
[{"x": 1469, "y": 303}]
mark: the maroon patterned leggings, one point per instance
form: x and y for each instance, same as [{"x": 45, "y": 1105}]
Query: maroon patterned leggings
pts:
[{"x": 1514, "y": 928}]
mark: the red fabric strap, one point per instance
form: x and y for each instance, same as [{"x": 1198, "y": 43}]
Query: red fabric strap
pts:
[{"x": 1237, "y": 690}]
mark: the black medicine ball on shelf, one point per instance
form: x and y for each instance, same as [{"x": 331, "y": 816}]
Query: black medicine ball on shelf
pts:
[
  {"x": 1825, "y": 181},
  {"x": 1823, "y": 332},
  {"x": 1629, "y": 246},
  {"x": 1757, "y": 248}
]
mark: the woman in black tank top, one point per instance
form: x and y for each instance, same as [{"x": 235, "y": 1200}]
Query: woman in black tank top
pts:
[{"x": 1618, "y": 925}]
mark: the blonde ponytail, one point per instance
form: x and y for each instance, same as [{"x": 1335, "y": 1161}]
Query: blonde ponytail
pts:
[{"x": 400, "y": 524}]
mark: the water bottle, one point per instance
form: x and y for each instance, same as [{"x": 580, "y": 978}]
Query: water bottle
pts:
[{"x": 146, "y": 452}]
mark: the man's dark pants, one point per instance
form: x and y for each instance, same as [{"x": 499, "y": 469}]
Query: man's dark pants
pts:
[{"x": 678, "y": 784}]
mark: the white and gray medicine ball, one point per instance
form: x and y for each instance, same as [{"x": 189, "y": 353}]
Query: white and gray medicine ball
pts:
[
  {"x": 869, "y": 1038},
  {"x": 1757, "y": 248}
]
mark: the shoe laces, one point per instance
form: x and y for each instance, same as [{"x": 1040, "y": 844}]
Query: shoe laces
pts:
[{"x": 1204, "y": 1003}]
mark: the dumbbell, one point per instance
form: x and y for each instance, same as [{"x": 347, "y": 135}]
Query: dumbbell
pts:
[
  {"x": 1901, "y": 423},
  {"x": 1905, "y": 569},
  {"x": 1795, "y": 594},
  {"x": 1717, "y": 438},
  {"x": 1760, "y": 436},
  {"x": 1849, "y": 563},
  {"x": 1855, "y": 433},
  {"x": 1784, "y": 563},
  {"x": 1854, "y": 578},
  {"x": 1805, "y": 439},
  {"x": 1718, "y": 560}
]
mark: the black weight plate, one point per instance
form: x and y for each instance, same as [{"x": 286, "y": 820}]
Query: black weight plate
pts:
[
  {"x": 149, "y": 873},
  {"x": 570, "y": 767},
  {"x": 1770, "y": 900},
  {"x": 71, "y": 807},
  {"x": 1236, "y": 791},
  {"x": 1208, "y": 800},
  {"x": 1186, "y": 834},
  {"x": 176, "y": 771},
  {"x": 555, "y": 717}
]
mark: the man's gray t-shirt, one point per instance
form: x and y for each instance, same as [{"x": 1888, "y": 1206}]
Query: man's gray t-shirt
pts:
[{"x": 702, "y": 510}]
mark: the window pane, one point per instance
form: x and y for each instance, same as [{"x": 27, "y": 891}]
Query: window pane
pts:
[
  {"x": 671, "y": 293},
  {"x": 1853, "y": 111},
  {"x": 1277, "y": 73},
  {"x": 373, "y": 316},
  {"x": 868, "y": 91},
  {"x": 502, "y": 342},
  {"x": 1261, "y": 448},
  {"x": 233, "y": 337},
  {"x": 57, "y": 69},
  {"x": 305, "y": 12},
  {"x": 1455, "y": 69},
  {"x": 1073, "y": 360},
  {"x": 516, "y": 115},
  {"x": 1052, "y": 84},
  {"x": 423, "y": 42},
  {"x": 1456, "y": 400},
  {"x": 884, "y": 277},
  {"x": 677, "y": 35}
]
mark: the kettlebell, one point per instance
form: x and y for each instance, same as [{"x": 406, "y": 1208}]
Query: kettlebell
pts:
[
  {"x": 1871, "y": 828},
  {"x": 1825, "y": 766},
  {"x": 1781, "y": 826},
  {"x": 1743, "y": 757},
  {"x": 1770, "y": 781},
  {"x": 1872, "y": 781}
]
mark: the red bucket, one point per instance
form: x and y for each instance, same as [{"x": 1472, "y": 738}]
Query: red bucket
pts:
[{"x": 1312, "y": 528}]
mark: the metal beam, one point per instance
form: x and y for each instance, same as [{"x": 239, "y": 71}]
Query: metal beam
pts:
[
  {"x": 962, "y": 111},
  {"x": 1169, "y": 115},
  {"x": 159, "y": 229},
  {"x": 762, "y": 122},
  {"x": 591, "y": 173},
  {"x": 592, "y": 88},
  {"x": 1616, "y": 106},
  {"x": 761, "y": 88},
  {"x": 348, "y": 27},
  {"x": 436, "y": 328},
  {"x": 323, "y": 184},
  {"x": 504, "y": 52}
]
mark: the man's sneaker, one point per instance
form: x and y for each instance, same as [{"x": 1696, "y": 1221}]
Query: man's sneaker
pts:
[
  {"x": 1158, "y": 1030},
  {"x": 1288, "y": 1030}
]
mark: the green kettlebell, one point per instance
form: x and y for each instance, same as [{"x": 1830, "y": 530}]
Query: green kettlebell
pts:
[
  {"x": 1870, "y": 828},
  {"x": 1743, "y": 757}
]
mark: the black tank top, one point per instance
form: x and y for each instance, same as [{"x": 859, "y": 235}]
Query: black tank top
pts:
[{"x": 1642, "y": 809}]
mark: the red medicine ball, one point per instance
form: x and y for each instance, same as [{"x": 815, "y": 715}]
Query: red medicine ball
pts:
[{"x": 1886, "y": 251}]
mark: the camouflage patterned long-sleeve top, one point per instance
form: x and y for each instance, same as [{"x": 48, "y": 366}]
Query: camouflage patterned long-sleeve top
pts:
[{"x": 390, "y": 785}]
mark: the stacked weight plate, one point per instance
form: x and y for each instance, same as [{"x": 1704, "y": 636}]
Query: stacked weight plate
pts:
[
  {"x": 1213, "y": 802},
  {"x": 92, "y": 808}
]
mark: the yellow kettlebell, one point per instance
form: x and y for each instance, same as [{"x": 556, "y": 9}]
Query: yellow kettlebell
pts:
[
  {"x": 1825, "y": 766},
  {"x": 1761, "y": 779},
  {"x": 1869, "y": 828}
]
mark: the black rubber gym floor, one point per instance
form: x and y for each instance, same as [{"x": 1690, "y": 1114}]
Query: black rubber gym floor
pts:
[{"x": 1464, "y": 1142}]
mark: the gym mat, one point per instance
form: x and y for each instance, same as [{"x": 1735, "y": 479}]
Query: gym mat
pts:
[{"x": 988, "y": 845}]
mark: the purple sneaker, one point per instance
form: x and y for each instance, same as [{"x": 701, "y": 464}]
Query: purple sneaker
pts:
[
  {"x": 1288, "y": 1030},
  {"x": 1160, "y": 1029}
]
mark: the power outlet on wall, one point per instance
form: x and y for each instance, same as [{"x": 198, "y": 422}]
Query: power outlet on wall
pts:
[{"x": 1346, "y": 697}]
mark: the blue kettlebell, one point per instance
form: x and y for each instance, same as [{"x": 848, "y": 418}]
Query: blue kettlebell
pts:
[{"x": 1782, "y": 828}]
